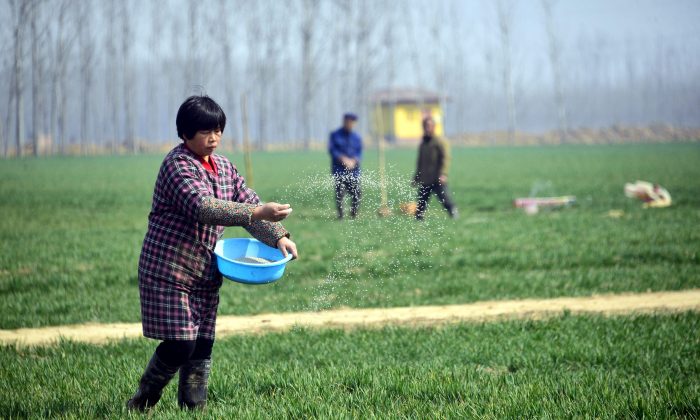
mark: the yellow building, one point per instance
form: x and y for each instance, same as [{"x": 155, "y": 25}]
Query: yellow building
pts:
[{"x": 397, "y": 114}]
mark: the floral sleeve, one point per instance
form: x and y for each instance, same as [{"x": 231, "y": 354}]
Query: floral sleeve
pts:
[
  {"x": 225, "y": 213},
  {"x": 266, "y": 232}
]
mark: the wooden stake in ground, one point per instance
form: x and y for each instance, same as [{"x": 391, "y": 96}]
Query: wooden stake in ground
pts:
[
  {"x": 246, "y": 142},
  {"x": 384, "y": 209}
]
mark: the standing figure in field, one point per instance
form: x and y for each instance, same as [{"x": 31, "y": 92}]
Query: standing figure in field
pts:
[
  {"x": 431, "y": 170},
  {"x": 345, "y": 147},
  {"x": 196, "y": 194}
]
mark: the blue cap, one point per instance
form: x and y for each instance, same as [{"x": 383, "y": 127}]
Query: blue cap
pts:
[{"x": 350, "y": 116}]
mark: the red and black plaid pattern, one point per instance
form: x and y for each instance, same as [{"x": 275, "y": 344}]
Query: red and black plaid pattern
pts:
[
  {"x": 174, "y": 312},
  {"x": 178, "y": 277}
]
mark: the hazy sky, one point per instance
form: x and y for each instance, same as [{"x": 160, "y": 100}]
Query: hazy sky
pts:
[
  {"x": 635, "y": 21},
  {"x": 631, "y": 21},
  {"x": 638, "y": 20},
  {"x": 622, "y": 20},
  {"x": 624, "y": 25}
]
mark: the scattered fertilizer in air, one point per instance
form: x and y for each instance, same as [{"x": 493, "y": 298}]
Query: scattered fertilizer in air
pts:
[{"x": 370, "y": 250}]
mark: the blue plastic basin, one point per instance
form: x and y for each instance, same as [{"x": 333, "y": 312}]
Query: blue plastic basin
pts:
[{"x": 228, "y": 250}]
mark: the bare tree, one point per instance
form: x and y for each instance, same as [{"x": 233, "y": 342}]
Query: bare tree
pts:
[
  {"x": 504, "y": 11},
  {"x": 440, "y": 59},
  {"x": 227, "y": 55},
  {"x": 460, "y": 81},
  {"x": 365, "y": 53},
  {"x": 156, "y": 67},
  {"x": 5, "y": 113},
  {"x": 87, "y": 49},
  {"x": 363, "y": 31},
  {"x": 62, "y": 47},
  {"x": 416, "y": 62},
  {"x": 128, "y": 83},
  {"x": 193, "y": 65},
  {"x": 331, "y": 78},
  {"x": 554, "y": 60},
  {"x": 20, "y": 11},
  {"x": 336, "y": 75},
  {"x": 36, "y": 78},
  {"x": 175, "y": 78},
  {"x": 8, "y": 118},
  {"x": 254, "y": 38},
  {"x": 110, "y": 74},
  {"x": 263, "y": 43},
  {"x": 308, "y": 26}
]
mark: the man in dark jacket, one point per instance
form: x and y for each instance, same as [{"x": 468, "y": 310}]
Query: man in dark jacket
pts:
[
  {"x": 345, "y": 148},
  {"x": 431, "y": 170}
]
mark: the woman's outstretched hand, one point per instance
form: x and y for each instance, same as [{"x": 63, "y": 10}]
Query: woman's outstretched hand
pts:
[
  {"x": 272, "y": 212},
  {"x": 287, "y": 246}
]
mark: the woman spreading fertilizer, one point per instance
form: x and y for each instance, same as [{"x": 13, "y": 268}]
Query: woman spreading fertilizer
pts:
[{"x": 196, "y": 194}]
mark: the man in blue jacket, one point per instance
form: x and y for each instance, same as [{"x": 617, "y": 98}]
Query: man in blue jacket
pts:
[{"x": 345, "y": 147}]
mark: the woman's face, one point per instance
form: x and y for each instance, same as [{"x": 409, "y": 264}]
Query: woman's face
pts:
[
  {"x": 429, "y": 127},
  {"x": 205, "y": 142}
]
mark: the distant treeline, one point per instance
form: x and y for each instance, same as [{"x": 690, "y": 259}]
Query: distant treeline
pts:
[
  {"x": 580, "y": 136},
  {"x": 108, "y": 75}
]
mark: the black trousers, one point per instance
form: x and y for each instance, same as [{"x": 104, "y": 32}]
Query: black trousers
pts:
[
  {"x": 350, "y": 183},
  {"x": 440, "y": 191},
  {"x": 179, "y": 352}
]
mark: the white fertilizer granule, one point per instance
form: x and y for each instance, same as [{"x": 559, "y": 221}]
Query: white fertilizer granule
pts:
[{"x": 253, "y": 260}]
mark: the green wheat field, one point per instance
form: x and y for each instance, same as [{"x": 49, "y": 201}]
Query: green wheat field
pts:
[{"x": 71, "y": 232}]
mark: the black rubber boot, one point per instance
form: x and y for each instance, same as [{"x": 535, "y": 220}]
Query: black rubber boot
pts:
[
  {"x": 194, "y": 383},
  {"x": 154, "y": 379}
]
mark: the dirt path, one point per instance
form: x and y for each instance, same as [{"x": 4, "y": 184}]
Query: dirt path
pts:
[{"x": 352, "y": 318}]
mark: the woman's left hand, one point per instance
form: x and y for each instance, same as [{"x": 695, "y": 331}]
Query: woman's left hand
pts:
[{"x": 287, "y": 246}]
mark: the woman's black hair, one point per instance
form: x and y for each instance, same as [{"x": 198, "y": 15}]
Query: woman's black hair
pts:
[{"x": 199, "y": 113}]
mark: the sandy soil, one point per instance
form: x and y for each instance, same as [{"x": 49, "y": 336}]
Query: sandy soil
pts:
[{"x": 677, "y": 301}]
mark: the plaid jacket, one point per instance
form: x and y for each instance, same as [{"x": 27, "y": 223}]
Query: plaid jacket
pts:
[{"x": 190, "y": 209}]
